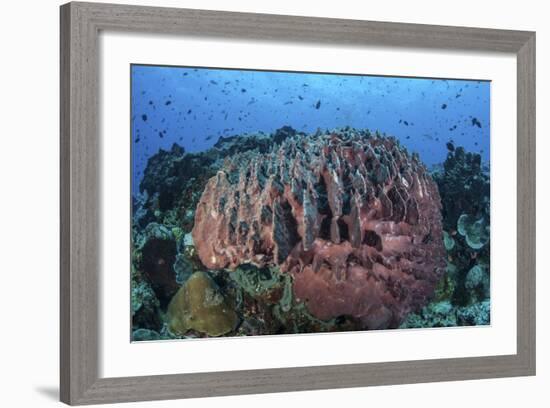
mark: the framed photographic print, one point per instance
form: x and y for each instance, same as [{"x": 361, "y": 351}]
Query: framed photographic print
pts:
[{"x": 285, "y": 196}]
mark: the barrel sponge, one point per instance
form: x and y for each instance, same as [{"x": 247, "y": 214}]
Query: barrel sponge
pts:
[{"x": 350, "y": 215}]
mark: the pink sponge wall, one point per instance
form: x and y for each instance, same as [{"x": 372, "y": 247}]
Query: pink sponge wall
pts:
[{"x": 350, "y": 215}]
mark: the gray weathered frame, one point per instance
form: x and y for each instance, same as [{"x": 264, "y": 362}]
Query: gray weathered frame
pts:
[{"x": 80, "y": 155}]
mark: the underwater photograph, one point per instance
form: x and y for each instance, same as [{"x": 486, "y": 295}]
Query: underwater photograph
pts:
[{"x": 276, "y": 202}]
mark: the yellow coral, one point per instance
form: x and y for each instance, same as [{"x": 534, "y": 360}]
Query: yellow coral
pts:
[{"x": 200, "y": 306}]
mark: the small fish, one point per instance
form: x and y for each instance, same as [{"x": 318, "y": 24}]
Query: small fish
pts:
[
  {"x": 288, "y": 103},
  {"x": 208, "y": 138},
  {"x": 213, "y": 82},
  {"x": 137, "y": 140},
  {"x": 444, "y": 106},
  {"x": 168, "y": 103},
  {"x": 161, "y": 135},
  {"x": 150, "y": 102},
  {"x": 450, "y": 146},
  {"x": 243, "y": 90},
  {"x": 300, "y": 97},
  {"x": 189, "y": 111},
  {"x": 144, "y": 117},
  {"x": 476, "y": 122},
  {"x": 318, "y": 104},
  {"x": 406, "y": 123}
]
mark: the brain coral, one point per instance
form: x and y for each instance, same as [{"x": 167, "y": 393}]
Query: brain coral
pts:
[
  {"x": 350, "y": 215},
  {"x": 200, "y": 306}
]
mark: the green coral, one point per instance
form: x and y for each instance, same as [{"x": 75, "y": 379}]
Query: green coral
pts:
[
  {"x": 476, "y": 232},
  {"x": 177, "y": 232},
  {"x": 436, "y": 314},
  {"x": 286, "y": 300},
  {"x": 445, "y": 288},
  {"x": 477, "y": 314},
  {"x": 142, "y": 294},
  {"x": 153, "y": 231},
  {"x": 145, "y": 335},
  {"x": 477, "y": 283},
  {"x": 256, "y": 281},
  {"x": 448, "y": 241},
  {"x": 183, "y": 268},
  {"x": 445, "y": 314},
  {"x": 144, "y": 305}
]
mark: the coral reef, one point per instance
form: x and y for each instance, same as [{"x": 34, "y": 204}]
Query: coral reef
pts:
[
  {"x": 157, "y": 248},
  {"x": 477, "y": 283},
  {"x": 437, "y": 314},
  {"x": 286, "y": 288},
  {"x": 445, "y": 314},
  {"x": 145, "y": 335},
  {"x": 464, "y": 187},
  {"x": 349, "y": 215},
  {"x": 145, "y": 306},
  {"x": 477, "y": 314},
  {"x": 476, "y": 232},
  {"x": 199, "y": 305},
  {"x": 448, "y": 241}
]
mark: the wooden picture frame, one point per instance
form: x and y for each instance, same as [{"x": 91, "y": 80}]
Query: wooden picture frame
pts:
[{"x": 80, "y": 234}]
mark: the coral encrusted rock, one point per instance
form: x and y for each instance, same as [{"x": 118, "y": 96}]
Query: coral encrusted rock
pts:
[{"x": 350, "y": 215}]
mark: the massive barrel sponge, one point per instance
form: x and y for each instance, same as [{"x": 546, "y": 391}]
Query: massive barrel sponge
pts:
[{"x": 350, "y": 215}]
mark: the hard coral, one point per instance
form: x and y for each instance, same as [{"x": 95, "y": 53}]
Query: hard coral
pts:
[
  {"x": 200, "y": 306},
  {"x": 464, "y": 186},
  {"x": 476, "y": 232},
  {"x": 158, "y": 254},
  {"x": 350, "y": 215}
]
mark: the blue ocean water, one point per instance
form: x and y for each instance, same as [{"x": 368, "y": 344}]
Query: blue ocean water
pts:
[{"x": 195, "y": 106}]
